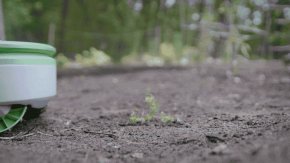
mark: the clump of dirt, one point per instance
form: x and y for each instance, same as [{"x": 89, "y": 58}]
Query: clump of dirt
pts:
[{"x": 222, "y": 117}]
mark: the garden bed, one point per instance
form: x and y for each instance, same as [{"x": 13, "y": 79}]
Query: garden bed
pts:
[{"x": 220, "y": 116}]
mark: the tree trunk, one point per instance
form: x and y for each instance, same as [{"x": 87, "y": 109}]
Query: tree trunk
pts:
[
  {"x": 219, "y": 43},
  {"x": 2, "y": 26},
  {"x": 266, "y": 45},
  {"x": 182, "y": 21},
  {"x": 51, "y": 34},
  {"x": 64, "y": 11}
]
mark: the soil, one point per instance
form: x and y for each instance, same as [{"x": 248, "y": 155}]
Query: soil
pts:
[{"x": 220, "y": 116}]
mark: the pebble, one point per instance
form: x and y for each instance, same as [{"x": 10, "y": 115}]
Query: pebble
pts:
[
  {"x": 220, "y": 150},
  {"x": 137, "y": 155}
]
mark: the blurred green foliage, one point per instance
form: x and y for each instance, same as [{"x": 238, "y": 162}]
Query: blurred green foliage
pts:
[
  {"x": 93, "y": 57},
  {"x": 156, "y": 32}
]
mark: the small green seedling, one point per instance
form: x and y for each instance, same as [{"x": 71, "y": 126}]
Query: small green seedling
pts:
[
  {"x": 134, "y": 119},
  {"x": 166, "y": 118},
  {"x": 153, "y": 107}
]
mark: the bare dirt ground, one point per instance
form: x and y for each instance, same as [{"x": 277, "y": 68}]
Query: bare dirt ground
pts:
[{"x": 221, "y": 118}]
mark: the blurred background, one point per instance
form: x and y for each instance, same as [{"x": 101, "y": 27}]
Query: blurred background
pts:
[{"x": 151, "y": 32}]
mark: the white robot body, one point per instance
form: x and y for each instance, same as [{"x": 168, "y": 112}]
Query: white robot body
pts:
[
  {"x": 27, "y": 74},
  {"x": 27, "y": 84}
]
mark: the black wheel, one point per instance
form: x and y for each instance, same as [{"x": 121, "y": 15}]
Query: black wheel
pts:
[{"x": 32, "y": 113}]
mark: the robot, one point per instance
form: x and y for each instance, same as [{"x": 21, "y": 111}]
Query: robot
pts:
[{"x": 27, "y": 80}]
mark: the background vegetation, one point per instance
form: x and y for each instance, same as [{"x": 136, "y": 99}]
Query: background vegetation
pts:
[{"x": 152, "y": 31}]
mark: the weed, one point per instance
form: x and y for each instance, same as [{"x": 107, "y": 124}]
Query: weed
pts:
[
  {"x": 166, "y": 118},
  {"x": 153, "y": 106},
  {"x": 134, "y": 119}
]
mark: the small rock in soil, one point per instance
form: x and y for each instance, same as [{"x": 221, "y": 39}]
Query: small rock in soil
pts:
[
  {"x": 220, "y": 150},
  {"x": 214, "y": 139},
  {"x": 137, "y": 155},
  {"x": 235, "y": 118}
]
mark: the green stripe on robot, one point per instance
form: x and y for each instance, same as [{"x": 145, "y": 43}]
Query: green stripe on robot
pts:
[
  {"x": 31, "y": 51},
  {"x": 27, "y": 62}
]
